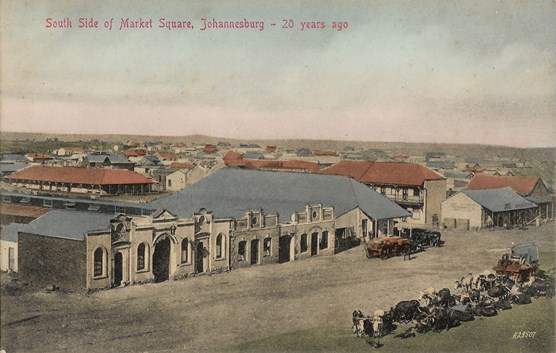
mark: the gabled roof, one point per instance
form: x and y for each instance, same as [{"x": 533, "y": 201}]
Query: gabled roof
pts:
[
  {"x": 38, "y": 155},
  {"x": 68, "y": 224},
  {"x": 523, "y": 185},
  {"x": 80, "y": 175},
  {"x": 167, "y": 155},
  {"x": 231, "y": 192},
  {"x": 393, "y": 173},
  {"x": 100, "y": 158},
  {"x": 498, "y": 200},
  {"x": 233, "y": 155}
]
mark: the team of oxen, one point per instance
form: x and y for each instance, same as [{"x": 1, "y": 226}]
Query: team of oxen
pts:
[{"x": 474, "y": 296}]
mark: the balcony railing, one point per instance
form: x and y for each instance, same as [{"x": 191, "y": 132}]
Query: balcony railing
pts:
[{"x": 406, "y": 199}]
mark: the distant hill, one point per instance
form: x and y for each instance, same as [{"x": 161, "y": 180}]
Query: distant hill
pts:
[{"x": 413, "y": 149}]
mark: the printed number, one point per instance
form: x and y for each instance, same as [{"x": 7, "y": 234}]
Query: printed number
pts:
[{"x": 287, "y": 24}]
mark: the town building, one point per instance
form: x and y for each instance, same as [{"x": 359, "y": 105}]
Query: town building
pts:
[
  {"x": 94, "y": 160},
  {"x": 412, "y": 186},
  {"x": 231, "y": 219},
  {"x": 530, "y": 187},
  {"x": 81, "y": 180},
  {"x": 474, "y": 209}
]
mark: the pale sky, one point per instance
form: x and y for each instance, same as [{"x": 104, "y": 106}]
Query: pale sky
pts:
[{"x": 417, "y": 71}]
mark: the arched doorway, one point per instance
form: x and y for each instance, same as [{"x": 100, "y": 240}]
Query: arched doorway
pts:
[
  {"x": 161, "y": 260},
  {"x": 199, "y": 254},
  {"x": 118, "y": 269}
]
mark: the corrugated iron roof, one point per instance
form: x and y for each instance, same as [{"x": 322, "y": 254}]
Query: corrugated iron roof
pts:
[
  {"x": 523, "y": 185},
  {"x": 9, "y": 232},
  {"x": 20, "y": 210},
  {"x": 68, "y": 224},
  {"x": 231, "y": 192},
  {"x": 88, "y": 176},
  {"x": 393, "y": 173},
  {"x": 499, "y": 200}
]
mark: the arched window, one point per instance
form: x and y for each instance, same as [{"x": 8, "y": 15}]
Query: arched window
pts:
[
  {"x": 184, "y": 250},
  {"x": 324, "y": 240},
  {"x": 241, "y": 250},
  {"x": 98, "y": 267},
  {"x": 266, "y": 246},
  {"x": 219, "y": 247},
  {"x": 303, "y": 242},
  {"x": 141, "y": 257}
]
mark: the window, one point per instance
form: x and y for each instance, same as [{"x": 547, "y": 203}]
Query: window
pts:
[
  {"x": 303, "y": 242},
  {"x": 141, "y": 257},
  {"x": 169, "y": 182},
  {"x": 184, "y": 251},
  {"x": 254, "y": 220},
  {"x": 324, "y": 240},
  {"x": 241, "y": 250},
  {"x": 404, "y": 193},
  {"x": 25, "y": 200},
  {"x": 219, "y": 247},
  {"x": 98, "y": 269},
  {"x": 69, "y": 205},
  {"x": 314, "y": 214},
  {"x": 266, "y": 246},
  {"x": 47, "y": 203},
  {"x": 94, "y": 208},
  {"x": 364, "y": 226},
  {"x": 416, "y": 192},
  {"x": 6, "y": 199},
  {"x": 119, "y": 209}
]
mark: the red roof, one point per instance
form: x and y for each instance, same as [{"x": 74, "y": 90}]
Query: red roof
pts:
[
  {"x": 135, "y": 153},
  {"x": 270, "y": 149},
  {"x": 177, "y": 165},
  {"x": 231, "y": 155},
  {"x": 325, "y": 153},
  {"x": 392, "y": 173},
  {"x": 167, "y": 155},
  {"x": 209, "y": 149},
  {"x": 523, "y": 185},
  {"x": 73, "y": 175},
  {"x": 35, "y": 155},
  {"x": 304, "y": 166},
  {"x": 12, "y": 209}
]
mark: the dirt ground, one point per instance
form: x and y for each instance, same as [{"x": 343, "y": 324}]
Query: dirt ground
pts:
[{"x": 212, "y": 313}]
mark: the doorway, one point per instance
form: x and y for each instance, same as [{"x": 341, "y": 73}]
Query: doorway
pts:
[
  {"x": 118, "y": 269},
  {"x": 161, "y": 260},
  {"x": 314, "y": 243},
  {"x": 254, "y": 252},
  {"x": 199, "y": 258},
  {"x": 284, "y": 248}
]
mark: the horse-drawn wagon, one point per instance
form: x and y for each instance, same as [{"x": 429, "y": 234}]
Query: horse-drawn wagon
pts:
[
  {"x": 521, "y": 264},
  {"x": 386, "y": 247}
]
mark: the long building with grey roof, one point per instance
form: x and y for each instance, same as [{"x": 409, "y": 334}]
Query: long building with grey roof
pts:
[{"x": 231, "y": 219}]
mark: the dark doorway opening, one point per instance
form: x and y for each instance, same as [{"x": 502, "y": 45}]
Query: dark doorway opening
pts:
[
  {"x": 118, "y": 269},
  {"x": 314, "y": 243},
  {"x": 254, "y": 251},
  {"x": 284, "y": 244},
  {"x": 161, "y": 260},
  {"x": 199, "y": 255}
]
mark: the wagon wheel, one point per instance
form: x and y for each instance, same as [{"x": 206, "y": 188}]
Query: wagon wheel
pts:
[{"x": 368, "y": 253}]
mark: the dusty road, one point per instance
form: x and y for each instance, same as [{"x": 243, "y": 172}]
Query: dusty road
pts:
[{"x": 210, "y": 313}]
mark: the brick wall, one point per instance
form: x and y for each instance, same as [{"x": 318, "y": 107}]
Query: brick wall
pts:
[{"x": 46, "y": 260}]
